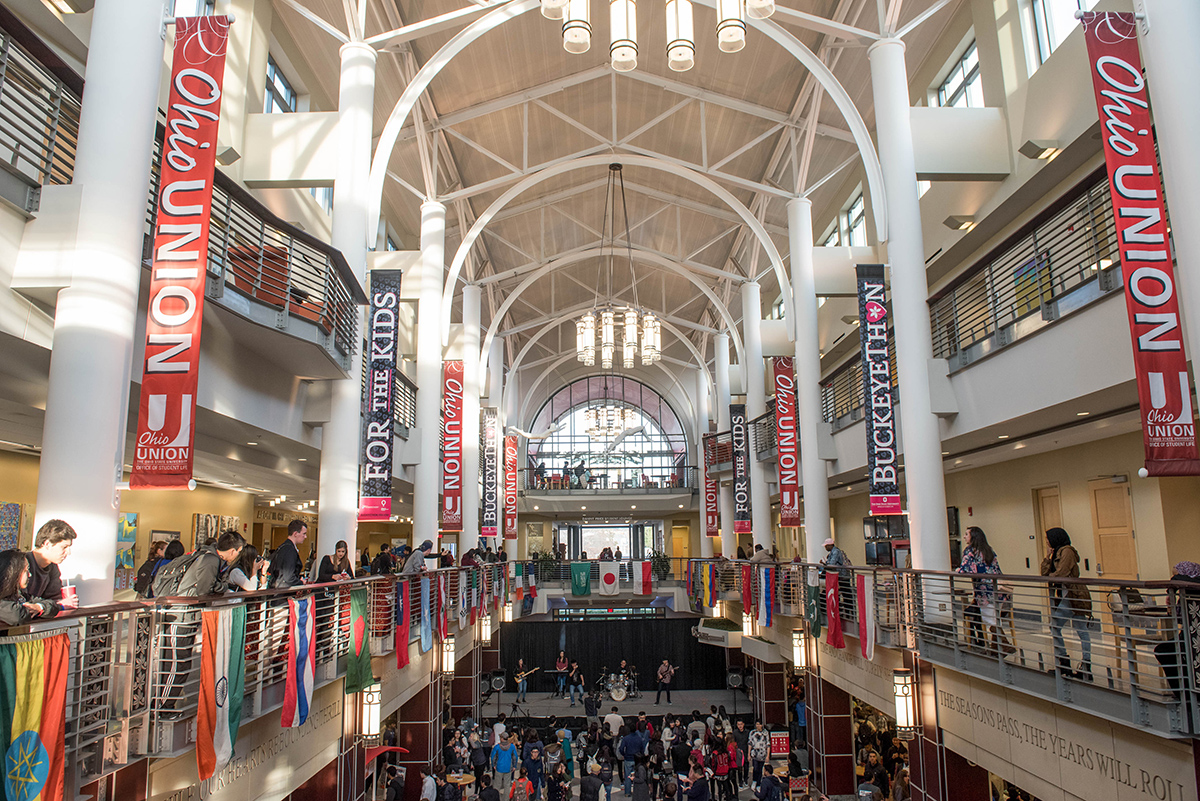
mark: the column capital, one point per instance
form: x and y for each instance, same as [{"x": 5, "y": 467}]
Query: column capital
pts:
[
  {"x": 799, "y": 201},
  {"x": 879, "y": 43},
  {"x": 432, "y": 206},
  {"x": 351, "y": 49}
]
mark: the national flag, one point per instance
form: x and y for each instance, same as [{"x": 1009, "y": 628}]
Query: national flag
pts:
[
  {"x": 443, "y": 607},
  {"x": 691, "y": 581},
  {"x": 712, "y": 586},
  {"x": 403, "y": 621},
  {"x": 474, "y": 594},
  {"x": 426, "y": 642},
  {"x": 608, "y": 578},
  {"x": 531, "y": 578},
  {"x": 498, "y": 595},
  {"x": 518, "y": 571},
  {"x": 706, "y": 593},
  {"x": 33, "y": 719},
  {"x": 222, "y": 678},
  {"x": 866, "y": 615},
  {"x": 642, "y": 578},
  {"x": 747, "y": 587},
  {"x": 302, "y": 662},
  {"x": 358, "y": 656},
  {"x": 812, "y": 609},
  {"x": 766, "y": 596},
  {"x": 581, "y": 578},
  {"x": 832, "y": 611}
]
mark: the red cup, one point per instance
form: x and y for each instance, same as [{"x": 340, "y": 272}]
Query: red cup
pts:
[{"x": 69, "y": 593}]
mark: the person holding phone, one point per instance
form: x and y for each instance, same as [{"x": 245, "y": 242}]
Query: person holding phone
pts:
[{"x": 336, "y": 567}]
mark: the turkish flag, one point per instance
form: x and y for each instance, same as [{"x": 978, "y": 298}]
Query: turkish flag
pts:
[
  {"x": 608, "y": 578},
  {"x": 833, "y": 613}
]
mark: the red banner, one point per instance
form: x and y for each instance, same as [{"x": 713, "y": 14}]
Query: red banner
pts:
[
  {"x": 787, "y": 442},
  {"x": 712, "y": 518},
  {"x": 1159, "y": 359},
  {"x": 833, "y": 612},
  {"x": 163, "y": 453},
  {"x": 452, "y": 445},
  {"x": 510, "y": 487}
]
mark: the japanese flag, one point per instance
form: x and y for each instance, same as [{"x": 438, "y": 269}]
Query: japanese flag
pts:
[{"x": 608, "y": 578}]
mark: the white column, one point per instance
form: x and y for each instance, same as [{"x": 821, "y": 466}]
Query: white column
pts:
[
  {"x": 923, "y": 477},
  {"x": 340, "y": 437},
  {"x": 1172, "y": 63},
  {"x": 814, "y": 474},
  {"x": 702, "y": 404},
  {"x": 756, "y": 406},
  {"x": 87, "y": 402},
  {"x": 470, "y": 418},
  {"x": 724, "y": 398},
  {"x": 427, "y": 484}
]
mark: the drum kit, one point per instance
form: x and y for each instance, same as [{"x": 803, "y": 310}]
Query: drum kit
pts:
[{"x": 619, "y": 686}]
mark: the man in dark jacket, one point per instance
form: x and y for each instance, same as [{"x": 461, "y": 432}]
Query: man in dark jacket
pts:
[
  {"x": 286, "y": 564},
  {"x": 395, "y": 784},
  {"x": 50, "y": 547},
  {"x": 741, "y": 736},
  {"x": 490, "y": 793},
  {"x": 876, "y": 773},
  {"x": 589, "y": 786},
  {"x": 206, "y": 576},
  {"x": 769, "y": 788}
]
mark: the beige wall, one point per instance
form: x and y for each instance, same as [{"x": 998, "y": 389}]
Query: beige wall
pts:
[{"x": 999, "y": 499}]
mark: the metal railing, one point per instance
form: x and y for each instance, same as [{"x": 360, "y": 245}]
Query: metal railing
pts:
[
  {"x": 610, "y": 478},
  {"x": 39, "y": 117},
  {"x": 557, "y": 574},
  {"x": 1017, "y": 290},
  {"x": 1118, "y": 648},
  {"x": 404, "y": 400},
  {"x": 762, "y": 432},
  {"x": 842, "y": 391}
]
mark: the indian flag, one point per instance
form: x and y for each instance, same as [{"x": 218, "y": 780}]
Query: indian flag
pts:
[
  {"x": 33, "y": 698},
  {"x": 222, "y": 676}
]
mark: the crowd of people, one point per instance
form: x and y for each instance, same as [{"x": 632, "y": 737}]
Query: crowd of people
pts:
[{"x": 881, "y": 756}]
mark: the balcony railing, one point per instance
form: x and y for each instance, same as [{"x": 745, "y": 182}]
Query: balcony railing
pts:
[
  {"x": 842, "y": 392},
  {"x": 557, "y": 574},
  {"x": 1138, "y": 663},
  {"x": 1065, "y": 260},
  {"x": 610, "y": 479}
]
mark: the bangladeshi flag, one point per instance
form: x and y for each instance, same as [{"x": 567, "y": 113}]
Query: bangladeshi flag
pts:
[
  {"x": 358, "y": 656},
  {"x": 33, "y": 703}
]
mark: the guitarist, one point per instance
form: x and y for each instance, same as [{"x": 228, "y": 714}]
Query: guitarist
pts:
[
  {"x": 522, "y": 680},
  {"x": 575, "y": 681},
  {"x": 666, "y": 672}
]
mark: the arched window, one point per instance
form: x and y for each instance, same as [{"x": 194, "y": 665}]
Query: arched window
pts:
[{"x": 648, "y": 449}]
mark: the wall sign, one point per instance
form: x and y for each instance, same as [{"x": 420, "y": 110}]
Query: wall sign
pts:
[
  {"x": 880, "y": 412},
  {"x": 712, "y": 516},
  {"x": 510, "y": 487},
  {"x": 163, "y": 454},
  {"x": 741, "y": 468},
  {"x": 490, "y": 519},
  {"x": 452, "y": 445},
  {"x": 787, "y": 442}
]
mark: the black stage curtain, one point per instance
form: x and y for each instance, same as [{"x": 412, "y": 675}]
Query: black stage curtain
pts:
[{"x": 599, "y": 643}]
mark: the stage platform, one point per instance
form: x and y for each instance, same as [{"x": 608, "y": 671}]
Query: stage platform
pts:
[{"x": 540, "y": 706}]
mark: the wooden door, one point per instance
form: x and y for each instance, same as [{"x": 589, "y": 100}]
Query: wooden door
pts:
[
  {"x": 1047, "y": 511},
  {"x": 1112, "y": 526},
  {"x": 681, "y": 542}
]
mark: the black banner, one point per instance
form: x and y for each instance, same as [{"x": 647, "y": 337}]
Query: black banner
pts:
[
  {"x": 877, "y": 391},
  {"x": 375, "y": 500},
  {"x": 489, "y": 522},
  {"x": 741, "y": 468}
]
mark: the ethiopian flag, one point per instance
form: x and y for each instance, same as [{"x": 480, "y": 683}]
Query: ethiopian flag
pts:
[
  {"x": 222, "y": 678},
  {"x": 33, "y": 704},
  {"x": 358, "y": 657}
]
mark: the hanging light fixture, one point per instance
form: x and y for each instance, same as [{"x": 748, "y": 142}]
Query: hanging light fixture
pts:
[
  {"x": 506, "y": 612},
  {"x": 577, "y": 26},
  {"x": 629, "y": 340},
  {"x": 800, "y": 649},
  {"x": 651, "y": 350},
  {"x": 554, "y": 9},
  {"x": 448, "y": 655},
  {"x": 372, "y": 701},
  {"x": 755, "y": 9},
  {"x": 903, "y": 687},
  {"x": 747, "y": 624},
  {"x": 585, "y": 339},
  {"x": 607, "y": 339},
  {"x": 731, "y": 26},
  {"x": 623, "y": 20},
  {"x": 681, "y": 38},
  {"x": 485, "y": 628}
]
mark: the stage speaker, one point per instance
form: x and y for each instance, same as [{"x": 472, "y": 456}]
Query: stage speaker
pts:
[
  {"x": 498, "y": 680},
  {"x": 734, "y": 678},
  {"x": 485, "y": 684}
]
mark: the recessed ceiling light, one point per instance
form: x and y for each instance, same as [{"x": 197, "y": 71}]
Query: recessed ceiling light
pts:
[
  {"x": 1082, "y": 414},
  {"x": 633, "y": 506},
  {"x": 251, "y": 443},
  {"x": 945, "y": 453},
  {"x": 582, "y": 507},
  {"x": 303, "y": 460},
  {"x": 681, "y": 506},
  {"x": 1002, "y": 436},
  {"x": 536, "y": 508}
]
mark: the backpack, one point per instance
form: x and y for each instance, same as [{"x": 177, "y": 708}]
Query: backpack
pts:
[
  {"x": 520, "y": 791},
  {"x": 775, "y": 793},
  {"x": 168, "y": 579},
  {"x": 606, "y": 772}
]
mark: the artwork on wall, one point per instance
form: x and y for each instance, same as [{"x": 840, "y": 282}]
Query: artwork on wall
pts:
[
  {"x": 205, "y": 526},
  {"x": 163, "y": 536},
  {"x": 127, "y": 524},
  {"x": 10, "y": 525}
]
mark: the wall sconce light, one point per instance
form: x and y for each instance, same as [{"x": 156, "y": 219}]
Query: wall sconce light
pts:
[
  {"x": 959, "y": 222},
  {"x": 372, "y": 703},
  {"x": 719, "y": 609},
  {"x": 747, "y": 624},
  {"x": 485, "y": 628},
  {"x": 800, "y": 649},
  {"x": 904, "y": 686},
  {"x": 1044, "y": 149},
  {"x": 506, "y": 612},
  {"x": 448, "y": 655}
]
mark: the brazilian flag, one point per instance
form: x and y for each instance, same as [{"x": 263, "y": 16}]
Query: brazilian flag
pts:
[{"x": 581, "y": 578}]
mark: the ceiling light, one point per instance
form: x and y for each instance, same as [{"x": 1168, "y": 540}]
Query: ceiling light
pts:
[
  {"x": 623, "y": 25},
  {"x": 681, "y": 38},
  {"x": 582, "y": 507},
  {"x": 681, "y": 506},
  {"x": 633, "y": 506},
  {"x": 760, "y": 9},
  {"x": 945, "y": 453},
  {"x": 251, "y": 443},
  {"x": 731, "y": 28},
  {"x": 1003, "y": 436},
  {"x": 536, "y": 508},
  {"x": 1044, "y": 149},
  {"x": 554, "y": 9},
  {"x": 577, "y": 27},
  {"x": 1082, "y": 414},
  {"x": 959, "y": 222}
]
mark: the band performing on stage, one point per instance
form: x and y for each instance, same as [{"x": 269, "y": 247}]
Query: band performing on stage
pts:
[{"x": 619, "y": 684}]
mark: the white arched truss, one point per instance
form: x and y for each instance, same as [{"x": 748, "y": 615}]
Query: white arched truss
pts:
[{"x": 641, "y": 255}]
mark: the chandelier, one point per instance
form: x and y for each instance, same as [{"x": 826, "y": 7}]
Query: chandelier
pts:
[
  {"x": 607, "y": 420},
  {"x": 681, "y": 38},
  {"x": 632, "y": 321}
]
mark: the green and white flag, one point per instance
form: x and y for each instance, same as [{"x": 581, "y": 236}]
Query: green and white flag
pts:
[{"x": 581, "y": 578}]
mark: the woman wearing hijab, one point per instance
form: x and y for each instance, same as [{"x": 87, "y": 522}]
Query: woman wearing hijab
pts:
[
  {"x": 336, "y": 567},
  {"x": 1069, "y": 603}
]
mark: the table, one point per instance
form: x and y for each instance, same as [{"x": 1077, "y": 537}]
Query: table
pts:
[{"x": 463, "y": 780}]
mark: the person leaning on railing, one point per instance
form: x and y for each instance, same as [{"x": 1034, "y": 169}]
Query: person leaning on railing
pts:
[
  {"x": 17, "y": 608},
  {"x": 50, "y": 547},
  {"x": 249, "y": 572},
  {"x": 1170, "y": 653}
]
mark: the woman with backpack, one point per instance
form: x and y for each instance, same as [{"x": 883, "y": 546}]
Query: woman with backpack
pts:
[
  {"x": 607, "y": 762},
  {"x": 722, "y": 766},
  {"x": 640, "y": 778},
  {"x": 477, "y": 757},
  {"x": 558, "y": 784},
  {"x": 522, "y": 788}
]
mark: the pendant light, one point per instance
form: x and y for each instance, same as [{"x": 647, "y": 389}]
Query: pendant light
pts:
[
  {"x": 554, "y": 9},
  {"x": 731, "y": 26},
  {"x": 623, "y": 21},
  {"x": 577, "y": 27},
  {"x": 607, "y": 339},
  {"x": 681, "y": 37},
  {"x": 758, "y": 9}
]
